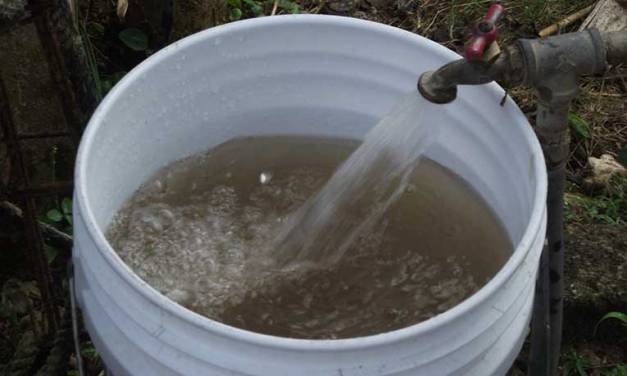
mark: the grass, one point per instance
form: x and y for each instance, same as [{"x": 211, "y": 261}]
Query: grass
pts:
[
  {"x": 580, "y": 364},
  {"x": 522, "y": 18},
  {"x": 602, "y": 104},
  {"x": 587, "y": 363},
  {"x": 605, "y": 206}
]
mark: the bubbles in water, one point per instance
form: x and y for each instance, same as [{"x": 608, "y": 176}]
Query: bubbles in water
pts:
[
  {"x": 201, "y": 232},
  {"x": 265, "y": 177}
]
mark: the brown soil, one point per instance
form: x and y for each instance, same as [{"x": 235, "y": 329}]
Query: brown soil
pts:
[{"x": 596, "y": 280}]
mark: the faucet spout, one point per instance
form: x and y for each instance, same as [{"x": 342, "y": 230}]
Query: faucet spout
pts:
[
  {"x": 545, "y": 64},
  {"x": 440, "y": 86}
]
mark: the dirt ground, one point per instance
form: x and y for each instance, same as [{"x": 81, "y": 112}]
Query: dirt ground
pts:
[{"x": 596, "y": 230}]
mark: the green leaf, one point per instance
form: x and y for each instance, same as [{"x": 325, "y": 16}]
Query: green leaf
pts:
[
  {"x": 579, "y": 365},
  {"x": 255, "y": 7},
  {"x": 134, "y": 39},
  {"x": 622, "y": 156},
  {"x": 620, "y": 316},
  {"x": 235, "y": 14},
  {"x": 579, "y": 125},
  {"x": 234, "y": 3},
  {"x": 66, "y": 205},
  {"x": 51, "y": 253},
  {"x": 90, "y": 351},
  {"x": 54, "y": 215},
  {"x": 619, "y": 370},
  {"x": 289, "y": 6}
]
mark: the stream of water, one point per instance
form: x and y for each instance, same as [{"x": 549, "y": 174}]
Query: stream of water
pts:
[{"x": 362, "y": 189}]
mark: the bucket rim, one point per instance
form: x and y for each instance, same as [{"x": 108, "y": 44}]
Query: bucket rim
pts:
[{"x": 82, "y": 206}]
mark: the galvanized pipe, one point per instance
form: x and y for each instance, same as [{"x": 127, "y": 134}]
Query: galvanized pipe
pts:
[
  {"x": 552, "y": 66},
  {"x": 616, "y": 45},
  {"x": 552, "y": 130}
]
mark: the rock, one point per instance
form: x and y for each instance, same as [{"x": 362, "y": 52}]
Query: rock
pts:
[
  {"x": 603, "y": 169},
  {"x": 342, "y": 7},
  {"x": 607, "y": 15}
]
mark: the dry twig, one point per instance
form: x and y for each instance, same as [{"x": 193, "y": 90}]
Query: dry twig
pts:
[{"x": 552, "y": 29}]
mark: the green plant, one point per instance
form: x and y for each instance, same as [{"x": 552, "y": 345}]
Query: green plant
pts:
[
  {"x": 576, "y": 364},
  {"x": 239, "y": 9},
  {"x": 288, "y": 6},
  {"x": 579, "y": 126},
  {"x": 89, "y": 351},
  {"x": 617, "y": 370},
  {"x": 134, "y": 38},
  {"x": 603, "y": 209},
  {"x": 61, "y": 215},
  {"x": 235, "y": 9},
  {"x": 609, "y": 207},
  {"x": 620, "y": 316}
]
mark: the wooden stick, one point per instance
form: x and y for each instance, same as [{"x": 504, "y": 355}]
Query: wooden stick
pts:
[
  {"x": 319, "y": 7},
  {"x": 275, "y": 6},
  {"x": 55, "y": 237},
  {"x": 552, "y": 29}
]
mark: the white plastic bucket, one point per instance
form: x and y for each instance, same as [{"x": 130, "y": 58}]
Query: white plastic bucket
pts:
[{"x": 303, "y": 74}]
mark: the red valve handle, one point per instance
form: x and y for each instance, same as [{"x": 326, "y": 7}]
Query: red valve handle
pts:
[{"x": 485, "y": 33}]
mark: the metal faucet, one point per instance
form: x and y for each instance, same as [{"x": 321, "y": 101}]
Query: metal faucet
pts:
[
  {"x": 540, "y": 63},
  {"x": 552, "y": 66}
]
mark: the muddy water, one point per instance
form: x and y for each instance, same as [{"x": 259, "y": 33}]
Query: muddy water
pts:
[{"x": 202, "y": 230}]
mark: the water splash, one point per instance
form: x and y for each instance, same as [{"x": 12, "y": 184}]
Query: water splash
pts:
[{"x": 361, "y": 190}]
